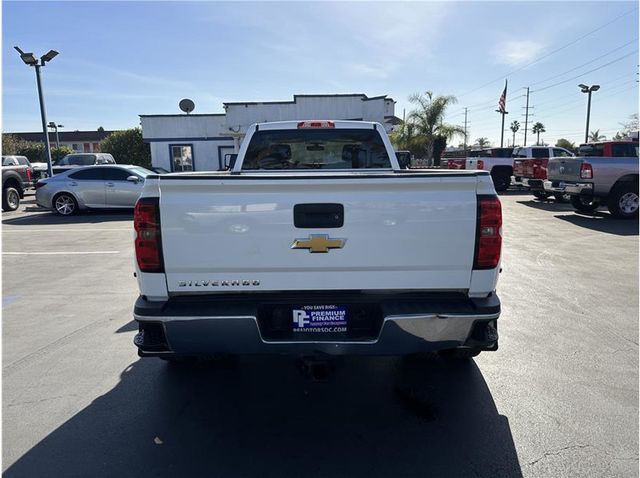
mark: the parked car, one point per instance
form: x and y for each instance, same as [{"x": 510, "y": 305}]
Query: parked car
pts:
[
  {"x": 315, "y": 243},
  {"x": 602, "y": 174},
  {"x": 533, "y": 171},
  {"x": 453, "y": 159},
  {"x": 15, "y": 180},
  {"x": 75, "y": 160},
  {"x": 497, "y": 161},
  {"x": 92, "y": 187}
]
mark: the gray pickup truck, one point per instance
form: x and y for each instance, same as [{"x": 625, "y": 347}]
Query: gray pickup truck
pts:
[
  {"x": 601, "y": 174},
  {"x": 15, "y": 179}
]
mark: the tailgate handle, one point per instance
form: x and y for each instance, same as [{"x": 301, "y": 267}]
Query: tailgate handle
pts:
[{"x": 318, "y": 216}]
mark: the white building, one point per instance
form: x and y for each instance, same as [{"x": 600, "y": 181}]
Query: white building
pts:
[{"x": 181, "y": 142}]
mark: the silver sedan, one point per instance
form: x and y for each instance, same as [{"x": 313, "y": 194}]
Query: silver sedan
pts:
[{"x": 103, "y": 187}]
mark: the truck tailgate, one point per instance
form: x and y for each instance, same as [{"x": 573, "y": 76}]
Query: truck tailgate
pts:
[
  {"x": 564, "y": 169},
  {"x": 401, "y": 232}
]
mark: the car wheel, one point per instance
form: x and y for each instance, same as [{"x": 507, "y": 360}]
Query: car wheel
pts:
[
  {"x": 459, "y": 354},
  {"x": 582, "y": 204},
  {"x": 65, "y": 204},
  {"x": 501, "y": 181},
  {"x": 562, "y": 197},
  {"x": 540, "y": 195},
  {"x": 10, "y": 199},
  {"x": 623, "y": 201}
]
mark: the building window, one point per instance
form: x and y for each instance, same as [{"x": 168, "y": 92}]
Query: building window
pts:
[
  {"x": 75, "y": 147},
  {"x": 87, "y": 147},
  {"x": 181, "y": 157},
  {"x": 96, "y": 147}
]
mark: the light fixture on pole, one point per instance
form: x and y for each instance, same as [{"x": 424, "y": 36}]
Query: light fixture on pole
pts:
[
  {"x": 588, "y": 90},
  {"x": 55, "y": 127},
  {"x": 30, "y": 60}
]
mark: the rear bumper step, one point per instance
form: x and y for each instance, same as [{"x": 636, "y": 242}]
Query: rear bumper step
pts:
[{"x": 407, "y": 323}]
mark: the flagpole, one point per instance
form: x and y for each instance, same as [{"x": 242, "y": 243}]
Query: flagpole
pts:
[{"x": 503, "y": 111}]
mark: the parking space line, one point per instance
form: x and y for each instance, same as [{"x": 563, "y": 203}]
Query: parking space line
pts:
[{"x": 56, "y": 253}]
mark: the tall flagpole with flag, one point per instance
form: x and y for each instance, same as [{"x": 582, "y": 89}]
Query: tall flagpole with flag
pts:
[{"x": 502, "y": 103}]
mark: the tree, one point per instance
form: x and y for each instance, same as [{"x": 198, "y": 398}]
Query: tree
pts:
[
  {"x": 482, "y": 143},
  {"x": 11, "y": 144},
  {"x": 515, "y": 126},
  {"x": 127, "y": 147},
  {"x": 628, "y": 127},
  {"x": 100, "y": 129},
  {"x": 428, "y": 121},
  {"x": 538, "y": 128},
  {"x": 595, "y": 136},
  {"x": 566, "y": 144}
]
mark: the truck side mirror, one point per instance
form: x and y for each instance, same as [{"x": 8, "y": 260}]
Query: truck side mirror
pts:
[{"x": 230, "y": 161}]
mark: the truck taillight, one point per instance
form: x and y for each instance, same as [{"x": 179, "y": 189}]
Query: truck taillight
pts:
[
  {"x": 480, "y": 164},
  {"x": 489, "y": 233},
  {"x": 29, "y": 176},
  {"x": 316, "y": 124},
  {"x": 146, "y": 222},
  {"x": 586, "y": 171}
]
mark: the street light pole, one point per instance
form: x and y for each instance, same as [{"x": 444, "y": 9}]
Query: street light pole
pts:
[
  {"x": 55, "y": 127},
  {"x": 31, "y": 60},
  {"x": 588, "y": 90}
]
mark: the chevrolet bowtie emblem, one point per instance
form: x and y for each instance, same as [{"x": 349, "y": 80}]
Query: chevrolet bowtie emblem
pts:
[{"x": 318, "y": 243}]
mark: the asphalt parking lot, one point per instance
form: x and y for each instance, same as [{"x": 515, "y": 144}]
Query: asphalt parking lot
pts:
[{"x": 560, "y": 397}]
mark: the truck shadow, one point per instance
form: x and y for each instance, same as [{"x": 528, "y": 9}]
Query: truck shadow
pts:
[
  {"x": 260, "y": 417},
  {"x": 547, "y": 205},
  {"x": 46, "y": 218},
  {"x": 602, "y": 222}
]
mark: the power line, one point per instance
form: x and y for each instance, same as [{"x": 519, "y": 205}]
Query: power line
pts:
[
  {"x": 585, "y": 64},
  {"x": 587, "y": 72},
  {"x": 552, "y": 52}
]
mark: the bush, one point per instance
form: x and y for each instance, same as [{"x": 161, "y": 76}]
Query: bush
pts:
[
  {"x": 35, "y": 152},
  {"x": 127, "y": 147}
]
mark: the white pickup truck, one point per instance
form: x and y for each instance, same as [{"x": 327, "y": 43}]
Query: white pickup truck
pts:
[{"x": 316, "y": 242}]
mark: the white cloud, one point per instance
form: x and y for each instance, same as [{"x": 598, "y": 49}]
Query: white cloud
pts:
[{"x": 517, "y": 52}]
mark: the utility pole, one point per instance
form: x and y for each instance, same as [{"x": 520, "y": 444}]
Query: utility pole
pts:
[
  {"x": 526, "y": 118},
  {"x": 465, "y": 129}
]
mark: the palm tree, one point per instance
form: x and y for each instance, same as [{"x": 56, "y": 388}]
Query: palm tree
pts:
[
  {"x": 538, "y": 128},
  {"x": 595, "y": 136},
  {"x": 515, "y": 126},
  {"x": 482, "y": 143},
  {"x": 428, "y": 120}
]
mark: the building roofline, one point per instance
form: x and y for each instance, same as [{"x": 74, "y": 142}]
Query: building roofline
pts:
[
  {"x": 295, "y": 98},
  {"x": 181, "y": 115}
]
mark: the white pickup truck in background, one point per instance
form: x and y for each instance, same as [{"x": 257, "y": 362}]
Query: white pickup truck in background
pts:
[{"x": 316, "y": 241}]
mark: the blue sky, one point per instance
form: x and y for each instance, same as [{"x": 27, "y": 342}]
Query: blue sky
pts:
[{"x": 119, "y": 59}]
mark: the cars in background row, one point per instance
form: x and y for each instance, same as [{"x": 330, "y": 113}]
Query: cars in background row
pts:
[
  {"x": 38, "y": 169},
  {"x": 92, "y": 187},
  {"x": 75, "y": 160},
  {"x": 497, "y": 161},
  {"x": 531, "y": 168},
  {"x": 603, "y": 173}
]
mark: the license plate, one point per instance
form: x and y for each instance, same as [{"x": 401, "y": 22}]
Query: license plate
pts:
[{"x": 321, "y": 319}]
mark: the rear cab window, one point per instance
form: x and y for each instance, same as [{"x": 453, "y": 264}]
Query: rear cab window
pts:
[
  {"x": 624, "y": 150},
  {"x": 308, "y": 149},
  {"x": 540, "y": 152}
]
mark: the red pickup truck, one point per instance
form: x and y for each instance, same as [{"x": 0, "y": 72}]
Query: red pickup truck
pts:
[{"x": 530, "y": 164}]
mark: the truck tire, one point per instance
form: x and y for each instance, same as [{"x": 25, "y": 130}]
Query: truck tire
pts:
[
  {"x": 65, "y": 204},
  {"x": 541, "y": 195},
  {"x": 584, "y": 205},
  {"x": 501, "y": 180},
  {"x": 623, "y": 201},
  {"x": 10, "y": 199},
  {"x": 562, "y": 197}
]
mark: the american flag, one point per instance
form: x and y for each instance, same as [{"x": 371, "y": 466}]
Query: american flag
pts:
[{"x": 503, "y": 99}]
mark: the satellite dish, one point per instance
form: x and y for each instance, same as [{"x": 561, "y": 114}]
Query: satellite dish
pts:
[{"x": 187, "y": 105}]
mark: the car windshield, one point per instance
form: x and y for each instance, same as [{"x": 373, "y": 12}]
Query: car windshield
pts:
[
  {"x": 140, "y": 171},
  {"x": 325, "y": 148},
  {"x": 77, "y": 160}
]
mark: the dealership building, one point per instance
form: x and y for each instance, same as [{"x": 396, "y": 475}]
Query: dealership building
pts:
[{"x": 199, "y": 142}]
